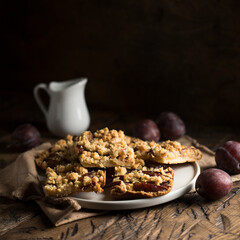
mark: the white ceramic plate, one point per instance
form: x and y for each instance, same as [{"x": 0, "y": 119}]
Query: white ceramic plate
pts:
[{"x": 184, "y": 180}]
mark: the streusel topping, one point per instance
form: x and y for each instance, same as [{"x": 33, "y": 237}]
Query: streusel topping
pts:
[
  {"x": 167, "y": 152},
  {"x": 105, "y": 148},
  {"x": 65, "y": 184}
]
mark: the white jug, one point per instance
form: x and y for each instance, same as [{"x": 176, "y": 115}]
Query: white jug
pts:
[{"x": 67, "y": 112}]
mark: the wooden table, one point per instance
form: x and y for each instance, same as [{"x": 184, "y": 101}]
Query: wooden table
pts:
[{"x": 189, "y": 217}]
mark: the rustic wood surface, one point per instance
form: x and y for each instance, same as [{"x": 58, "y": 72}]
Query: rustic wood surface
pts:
[{"x": 189, "y": 217}]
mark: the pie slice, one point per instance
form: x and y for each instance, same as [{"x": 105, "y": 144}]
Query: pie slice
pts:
[
  {"x": 60, "y": 184},
  {"x": 62, "y": 152},
  {"x": 167, "y": 152},
  {"x": 144, "y": 183},
  {"x": 106, "y": 148}
]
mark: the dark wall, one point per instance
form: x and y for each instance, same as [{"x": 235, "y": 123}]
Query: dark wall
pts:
[{"x": 145, "y": 55}]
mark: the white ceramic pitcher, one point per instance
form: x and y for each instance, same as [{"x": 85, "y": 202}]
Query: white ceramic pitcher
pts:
[{"x": 67, "y": 112}]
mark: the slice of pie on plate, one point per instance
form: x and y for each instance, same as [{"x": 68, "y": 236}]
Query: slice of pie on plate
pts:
[
  {"x": 167, "y": 152},
  {"x": 144, "y": 183},
  {"x": 60, "y": 184}
]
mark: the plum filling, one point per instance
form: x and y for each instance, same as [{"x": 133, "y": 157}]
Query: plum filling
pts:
[
  {"x": 151, "y": 173},
  {"x": 146, "y": 187},
  {"x": 51, "y": 162},
  {"x": 142, "y": 185},
  {"x": 54, "y": 159},
  {"x": 150, "y": 187},
  {"x": 79, "y": 149}
]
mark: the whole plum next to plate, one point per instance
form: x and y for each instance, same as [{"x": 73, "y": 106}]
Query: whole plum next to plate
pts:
[
  {"x": 213, "y": 184},
  {"x": 227, "y": 157}
]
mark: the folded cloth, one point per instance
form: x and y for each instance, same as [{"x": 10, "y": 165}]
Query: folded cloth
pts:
[{"x": 19, "y": 180}]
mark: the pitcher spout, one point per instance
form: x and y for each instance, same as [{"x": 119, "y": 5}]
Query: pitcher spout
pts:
[{"x": 60, "y": 86}]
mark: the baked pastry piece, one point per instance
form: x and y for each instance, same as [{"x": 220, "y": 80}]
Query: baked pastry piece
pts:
[
  {"x": 144, "y": 183},
  {"x": 61, "y": 184},
  {"x": 106, "y": 148},
  {"x": 62, "y": 152},
  {"x": 167, "y": 152}
]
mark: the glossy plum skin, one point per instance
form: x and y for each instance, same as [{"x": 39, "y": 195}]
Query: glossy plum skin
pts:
[
  {"x": 213, "y": 184},
  {"x": 227, "y": 157},
  {"x": 170, "y": 125},
  {"x": 147, "y": 130},
  {"x": 25, "y": 137}
]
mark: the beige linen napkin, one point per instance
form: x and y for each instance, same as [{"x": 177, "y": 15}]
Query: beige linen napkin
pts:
[{"x": 19, "y": 180}]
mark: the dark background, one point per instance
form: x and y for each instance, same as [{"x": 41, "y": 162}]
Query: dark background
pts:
[{"x": 140, "y": 57}]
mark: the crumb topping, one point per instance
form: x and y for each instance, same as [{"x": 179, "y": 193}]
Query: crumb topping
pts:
[{"x": 65, "y": 184}]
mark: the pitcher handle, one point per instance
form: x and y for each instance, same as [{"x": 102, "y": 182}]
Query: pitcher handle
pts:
[{"x": 38, "y": 98}]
